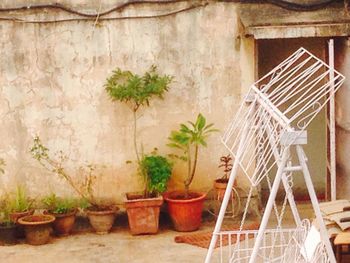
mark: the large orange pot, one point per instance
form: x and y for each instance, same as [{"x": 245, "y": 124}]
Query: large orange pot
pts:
[{"x": 186, "y": 214}]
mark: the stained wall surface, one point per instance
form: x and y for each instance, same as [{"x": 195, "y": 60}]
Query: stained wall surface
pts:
[
  {"x": 51, "y": 85},
  {"x": 342, "y": 63}
]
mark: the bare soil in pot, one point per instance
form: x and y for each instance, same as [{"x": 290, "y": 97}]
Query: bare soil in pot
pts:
[
  {"x": 143, "y": 213},
  {"x": 64, "y": 223},
  {"x": 8, "y": 235},
  {"x": 102, "y": 218},
  {"x": 37, "y": 228},
  {"x": 19, "y": 228},
  {"x": 185, "y": 212}
]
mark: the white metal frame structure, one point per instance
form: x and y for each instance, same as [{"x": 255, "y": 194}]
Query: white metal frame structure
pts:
[{"x": 267, "y": 131}]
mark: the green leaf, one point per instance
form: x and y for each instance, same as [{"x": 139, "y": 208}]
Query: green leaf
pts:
[
  {"x": 184, "y": 128},
  {"x": 202, "y": 142},
  {"x": 200, "y": 123},
  {"x": 208, "y": 126},
  {"x": 174, "y": 145},
  {"x": 211, "y": 131}
]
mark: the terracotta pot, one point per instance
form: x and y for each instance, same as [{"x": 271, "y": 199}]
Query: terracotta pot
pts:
[
  {"x": 102, "y": 221},
  {"x": 8, "y": 234},
  {"x": 17, "y": 215},
  {"x": 64, "y": 223},
  {"x": 37, "y": 228},
  {"x": 186, "y": 214},
  {"x": 143, "y": 213},
  {"x": 220, "y": 186}
]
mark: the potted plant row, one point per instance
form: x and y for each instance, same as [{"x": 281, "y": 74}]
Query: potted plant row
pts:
[
  {"x": 12, "y": 224},
  {"x": 136, "y": 91},
  {"x": 101, "y": 216}
]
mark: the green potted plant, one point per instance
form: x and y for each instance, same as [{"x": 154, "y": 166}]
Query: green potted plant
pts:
[
  {"x": 64, "y": 210},
  {"x": 7, "y": 226},
  {"x": 143, "y": 209},
  {"x": 220, "y": 184},
  {"x": 137, "y": 91},
  {"x": 185, "y": 207},
  {"x": 101, "y": 215},
  {"x": 20, "y": 205}
]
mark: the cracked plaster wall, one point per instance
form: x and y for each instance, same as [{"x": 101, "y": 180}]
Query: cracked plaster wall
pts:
[
  {"x": 342, "y": 99},
  {"x": 51, "y": 84}
]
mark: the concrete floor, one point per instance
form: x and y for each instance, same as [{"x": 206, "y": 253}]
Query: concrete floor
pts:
[{"x": 118, "y": 246}]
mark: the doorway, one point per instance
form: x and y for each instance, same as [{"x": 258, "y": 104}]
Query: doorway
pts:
[{"x": 270, "y": 52}]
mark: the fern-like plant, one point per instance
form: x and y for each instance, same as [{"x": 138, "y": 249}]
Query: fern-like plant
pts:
[{"x": 158, "y": 171}]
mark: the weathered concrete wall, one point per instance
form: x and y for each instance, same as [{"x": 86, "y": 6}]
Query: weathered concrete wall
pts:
[
  {"x": 342, "y": 55},
  {"x": 51, "y": 84}
]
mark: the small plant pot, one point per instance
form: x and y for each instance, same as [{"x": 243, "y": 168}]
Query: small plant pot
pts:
[
  {"x": 102, "y": 221},
  {"x": 220, "y": 186},
  {"x": 37, "y": 228},
  {"x": 8, "y": 235},
  {"x": 143, "y": 213},
  {"x": 14, "y": 216},
  {"x": 186, "y": 214},
  {"x": 64, "y": 223}
]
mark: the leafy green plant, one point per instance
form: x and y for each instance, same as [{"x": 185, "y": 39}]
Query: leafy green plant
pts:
[
  {"x": 187, "y": 140},
  {"x": 84, "y": 188},
  {"x": 20, "y": 202},
  {"x": 59, "y": 205},
  {"x": 157, "y": 170},
  {"x": 137, "y": 91}
]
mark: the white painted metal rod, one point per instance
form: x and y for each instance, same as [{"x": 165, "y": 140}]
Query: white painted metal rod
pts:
[
  {"x": 268, "y": 208},
  {"x": 286, "y": 185},
  {"x": 315, "y": 205},
  {"x": 227, "y": 196},
  {"x": 332, "y": 145}
]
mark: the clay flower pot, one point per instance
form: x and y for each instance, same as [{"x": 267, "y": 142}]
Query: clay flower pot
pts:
[
  {"x": 220, "y": 186},
  {"x": 186, "y": 214},
  {"x": 14, "y": 216},
  {"x": 102, "y": 221},
  {"x": 8, "y": 234},
  {"x": 37, "y": 228},
  {"x": 143, "y": 213},
  {"x": 64, "y": 223}
]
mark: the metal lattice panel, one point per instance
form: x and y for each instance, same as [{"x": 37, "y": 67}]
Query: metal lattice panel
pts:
[{"x": 270, "y": 122}]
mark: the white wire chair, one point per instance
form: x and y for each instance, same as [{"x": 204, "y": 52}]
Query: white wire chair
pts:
[{"x": 269, "y": 124}]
